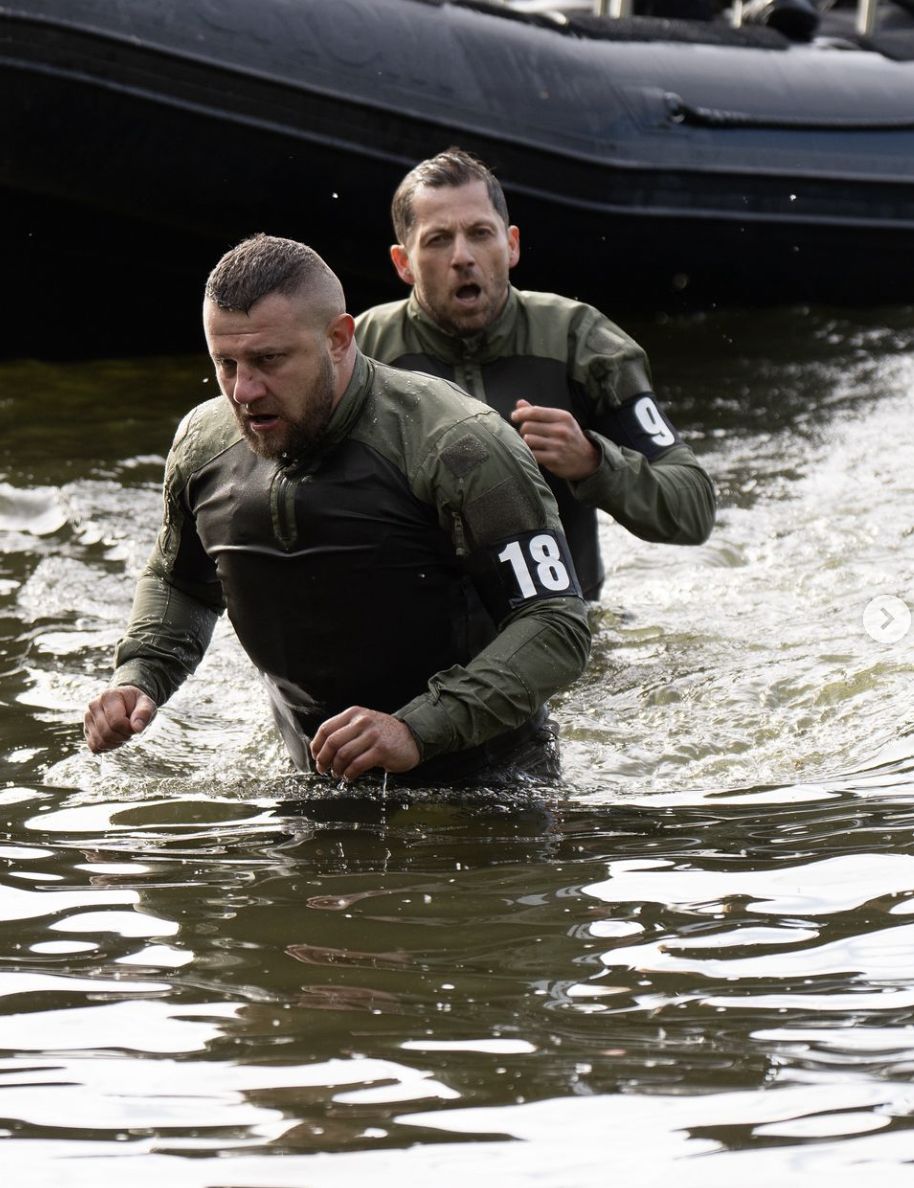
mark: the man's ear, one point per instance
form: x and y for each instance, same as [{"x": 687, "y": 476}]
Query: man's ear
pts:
[
  {"x": 513, "y": 245},
  {"x": 400, "y": 258},
  {"x": 339, "y": 335}
]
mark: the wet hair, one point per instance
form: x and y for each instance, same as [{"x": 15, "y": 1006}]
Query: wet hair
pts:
[
  {"x": 265, "y": 264},
  {"x": 453, "y": 167}
]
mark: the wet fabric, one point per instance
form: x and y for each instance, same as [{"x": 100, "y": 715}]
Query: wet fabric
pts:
[
  {"x": 552, "y": 351},
  {"x": 355, "y": 574}
]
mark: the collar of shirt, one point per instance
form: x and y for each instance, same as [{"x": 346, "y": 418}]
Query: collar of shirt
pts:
[{"x": 342, "y": 419}]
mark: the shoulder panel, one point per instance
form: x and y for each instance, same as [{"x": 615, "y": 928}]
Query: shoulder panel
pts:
[
  {"x": 381, "y": 330},
  {"x": 545, "y": 323},
  {"x": 204, "y": 433}
]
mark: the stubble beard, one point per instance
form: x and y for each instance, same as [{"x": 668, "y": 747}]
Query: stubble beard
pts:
[{"x": 467, "y": 325}]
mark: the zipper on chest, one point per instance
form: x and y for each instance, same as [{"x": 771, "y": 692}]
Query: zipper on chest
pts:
[
  {"x": 282, "y": 510},
  {"x": 468, "y": 375}
]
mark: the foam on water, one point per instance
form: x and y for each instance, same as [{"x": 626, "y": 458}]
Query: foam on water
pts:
[
  {"x": 696, "y": 964},
  {"x": 739, "y": 663}
]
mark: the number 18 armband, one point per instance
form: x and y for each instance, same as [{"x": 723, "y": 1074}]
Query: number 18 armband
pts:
[{"x": 527, "y": 567}]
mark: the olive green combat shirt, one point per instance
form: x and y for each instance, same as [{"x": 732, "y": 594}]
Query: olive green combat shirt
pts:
[
  {"x": 550, "y": 350},
  {"x": 412, "y": 562}
]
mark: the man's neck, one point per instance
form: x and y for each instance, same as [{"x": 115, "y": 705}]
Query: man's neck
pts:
[{"x": 467, "y": 343}]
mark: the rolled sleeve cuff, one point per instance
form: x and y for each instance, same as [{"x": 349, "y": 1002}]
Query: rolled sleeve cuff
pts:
[
  {"x": 134, "y": 672},
  {"x": 588, "y": 490},
  {"x": 431, "y": 727}
]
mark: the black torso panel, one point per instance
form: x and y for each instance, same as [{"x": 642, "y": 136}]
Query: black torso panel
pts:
[{"x": 339, "y": 573}]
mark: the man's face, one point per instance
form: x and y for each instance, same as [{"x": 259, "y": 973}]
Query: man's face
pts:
[
  {"x": 277, "y": 371},
  {"x": 458, "y": 257}
]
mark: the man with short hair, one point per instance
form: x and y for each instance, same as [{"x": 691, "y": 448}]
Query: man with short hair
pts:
[
  {"x": 576, "y": 386},
  {"x": 384, "y": 545}
]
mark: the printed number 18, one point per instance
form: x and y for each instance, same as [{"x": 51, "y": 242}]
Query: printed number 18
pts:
[{"x": 550, "y": 570}]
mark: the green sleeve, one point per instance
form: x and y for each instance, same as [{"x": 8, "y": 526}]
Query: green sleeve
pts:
[
  {"x": 487, "y": 488},
  {"x": 669, "y": 499},
  {"x": 538, "y": 651},
  {"x": 177, "y": 602},
  {"x": 166, "y": 637}
]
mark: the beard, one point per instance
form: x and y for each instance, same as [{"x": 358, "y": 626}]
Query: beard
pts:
[
  {"x": 465, "y": 323},
  {"x": 294, "y": 437},
  {"x": 470, "y": 324}
]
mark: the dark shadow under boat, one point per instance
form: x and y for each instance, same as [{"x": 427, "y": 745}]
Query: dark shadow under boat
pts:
[{"x": 650, "y": 163}]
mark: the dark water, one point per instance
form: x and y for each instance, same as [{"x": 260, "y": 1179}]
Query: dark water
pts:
[{"x": 696, "y": 957}]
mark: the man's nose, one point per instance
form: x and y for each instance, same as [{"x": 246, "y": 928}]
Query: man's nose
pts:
[
  {"x": 462, "y": 253},
  {"x": 248, "y": 386}
]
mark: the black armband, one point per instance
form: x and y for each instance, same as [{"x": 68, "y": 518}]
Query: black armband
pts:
[
  {"x": 641, "y": 424},
  {"x": 526, "y": 567}
]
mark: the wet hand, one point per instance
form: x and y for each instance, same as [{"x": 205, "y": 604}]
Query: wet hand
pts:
[
  {"x": 556, "y": 440},
  {"x": 115, "y": 716},
  {"x": 357, "y": 739}
]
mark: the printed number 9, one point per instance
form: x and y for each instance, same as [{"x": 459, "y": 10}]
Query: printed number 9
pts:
[
  {"x": 651, "y": 422},
  {"x": 551, "y": 571}
]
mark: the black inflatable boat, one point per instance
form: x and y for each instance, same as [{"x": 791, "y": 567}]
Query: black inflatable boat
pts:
[{"x": 649, "y": 162}]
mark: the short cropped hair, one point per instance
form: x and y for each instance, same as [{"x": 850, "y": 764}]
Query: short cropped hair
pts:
[
  {"x": 265, "y": 264},
  {"x": 453, "y": 167}
]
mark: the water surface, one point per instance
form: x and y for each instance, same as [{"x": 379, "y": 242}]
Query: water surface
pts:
[{"x": 693, "y": 957}]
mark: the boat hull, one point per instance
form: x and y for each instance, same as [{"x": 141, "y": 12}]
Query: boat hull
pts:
[{"x": 142, "y": 139}]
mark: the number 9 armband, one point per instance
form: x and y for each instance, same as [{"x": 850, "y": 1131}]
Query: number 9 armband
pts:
[
  {"x": 527, "y": 567},
  {"x": 642, "y": 425}
]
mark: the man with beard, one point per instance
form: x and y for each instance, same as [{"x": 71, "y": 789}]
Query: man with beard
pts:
[
  {"x": 384, "y": 545},
  {"x": 576, "y": 386}
]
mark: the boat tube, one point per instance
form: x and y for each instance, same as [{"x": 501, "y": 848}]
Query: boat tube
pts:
[{"x": 649, "y": 165}]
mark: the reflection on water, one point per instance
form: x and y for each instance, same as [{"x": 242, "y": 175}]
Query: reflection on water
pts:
[{"x": 696, "y": 952}]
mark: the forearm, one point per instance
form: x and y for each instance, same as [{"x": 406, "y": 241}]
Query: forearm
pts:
[
  {"x": 543, "y": 648},
  {"x": 166, "y": 636},
  {"x": 670, "y": 500}
]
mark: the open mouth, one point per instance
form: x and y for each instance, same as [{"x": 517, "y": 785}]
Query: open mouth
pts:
[
  {"x": 262, "y": 421},
  {"x": 468, "y": 293}
]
